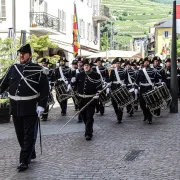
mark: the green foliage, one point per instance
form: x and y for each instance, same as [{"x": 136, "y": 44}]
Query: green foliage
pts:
[
  {"x": 178, "y": 47},
  {"x": 104, "y": 42},
  {"x": 7, "y": 51}
]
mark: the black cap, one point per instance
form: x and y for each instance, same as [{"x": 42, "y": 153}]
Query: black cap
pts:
[
  {"x": 99, "y": 59},
  {"x": 168, "y": 60},
  {"x": 45, "y": 60},
  {"x": 74, "y": 62},
  {"x": 118, "y": 59},
  {"x": 25, "y": 49},
  {"x": 127, "y": 63},
  {"x": 86, "y": 61}
]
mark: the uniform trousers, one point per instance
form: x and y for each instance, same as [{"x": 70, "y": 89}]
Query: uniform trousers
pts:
[
  {"x": 146, "y": 111},
  {"x": 26, "y": 128},
  {"x": 87, "y": 115},
  {"x": 99, "y": 106},
  {"x": 118, "y": 111},
  {"x": 63, "y": 105},
  {"x": 45, "y": 113}
]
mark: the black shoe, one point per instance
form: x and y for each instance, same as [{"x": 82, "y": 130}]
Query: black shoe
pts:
[
  {"x": 33, "y": 155},
  {"x": 145, "y": 118},
  {"x": 131, "y": 115},
  {"x": 80, "y": 121},
  {"x": 119, "y": 121},
  {"x": 88, "y": 138},
  {"x": 97, "y": 111},
  {"x": 44, "y": 119},
  {"x": 102, "y": 113},
  {"x": 150, "y": 121},
  {"x": 63, "y": 114},
  {"x": 22, "y": 167}
]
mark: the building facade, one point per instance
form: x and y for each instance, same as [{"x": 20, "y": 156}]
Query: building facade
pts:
[
  {"x": 163, "y": 37},
  {"x": 55, "y": 17}
]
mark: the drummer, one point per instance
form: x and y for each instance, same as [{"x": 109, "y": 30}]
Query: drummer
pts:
[
  {"x": 145, "y": 86},
  {"x": 103, "y": 72},
  {"x": 63, "y": 76},
  {"x": 130, "y": 77},
  {"x": 117, "y": 77}
]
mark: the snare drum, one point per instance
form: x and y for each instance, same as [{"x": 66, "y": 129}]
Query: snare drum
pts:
[
  {"x": 61, "y": 92},
  {"x": 153, "y": 99},
  {"x": 122, "y": 97},
  {"x": 164, "y": 91},
  {"x": 50, "y": 99},
  {"x": 104, "y": 98}
]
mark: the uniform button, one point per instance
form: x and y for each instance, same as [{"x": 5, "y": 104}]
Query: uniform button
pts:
[
  {"x": 19, "y": 85},
  {"x": 18, "y": 91}
]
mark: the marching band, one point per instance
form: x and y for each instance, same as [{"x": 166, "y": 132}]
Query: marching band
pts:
[{"x": 126, "y": 84}]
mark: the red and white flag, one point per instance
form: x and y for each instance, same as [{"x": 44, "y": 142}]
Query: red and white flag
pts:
[{"x": 178, "y": 18}]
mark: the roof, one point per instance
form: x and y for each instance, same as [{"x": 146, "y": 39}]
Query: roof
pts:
[{"x": 164, "y": 24}]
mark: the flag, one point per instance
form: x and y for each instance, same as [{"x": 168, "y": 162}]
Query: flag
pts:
[
  {"x": 76, "y": 39},
  {"x": 178, "y": 18}
]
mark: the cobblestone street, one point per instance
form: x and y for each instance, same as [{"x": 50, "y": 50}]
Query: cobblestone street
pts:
[{"x": 67, "y": 155}]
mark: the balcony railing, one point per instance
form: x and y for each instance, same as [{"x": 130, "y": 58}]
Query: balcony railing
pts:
[
  {"x": 101, "y": 11},
  {"x": 42, "y": 19}
]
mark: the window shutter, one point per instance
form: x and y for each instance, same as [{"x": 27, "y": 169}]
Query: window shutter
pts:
[
  {"x": 60, "y": 19},
  {"x": 87, "y": 31},
  {"x": 45, "y": 7},
  {"x": 3, "y": 9}
]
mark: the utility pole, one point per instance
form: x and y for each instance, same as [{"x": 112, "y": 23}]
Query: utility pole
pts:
[
  {"x": 174, "y": 82},
  {"x": 14, "y": 17},
  {"x": 23, "y": 37}
]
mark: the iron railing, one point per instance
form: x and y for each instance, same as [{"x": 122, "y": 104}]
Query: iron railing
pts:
[
  {"x": 101, "y": 11},
  {"x": 42, "y": 19}
]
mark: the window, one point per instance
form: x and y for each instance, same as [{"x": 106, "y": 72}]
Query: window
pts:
[
  {"x": 82, "y": 29},
  {"x": 89, "y": 3},
  {"x": 62, "y": 21},
  {"x": 3, "y": 10},
  {"x": 45, "y": 7},
  {"x": 166, "y": 34}
]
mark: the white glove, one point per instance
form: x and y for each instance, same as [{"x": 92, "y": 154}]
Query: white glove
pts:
[
  {"x": 66, "y": 82},
  {"x": 123, "y": 85},
  {"x": 69, "y": 87},
  {"x": 45, "y": 70},
  {"x": 73, "y": 79},
  {"x": 107, "y": 91},
  {"x": 39, "y": 111},
  {"x": 96, "y": 96},
  {"x": 109, "y": 84},
  {"x": 136, "y": 91}
]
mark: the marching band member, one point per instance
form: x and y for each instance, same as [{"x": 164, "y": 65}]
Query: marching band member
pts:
[
  {"x": 103, "y": 72},
  {"x": 146, "y": 78},
  {"x": 45, "y": 63},
  {"x": 117, "y": 77},
  {"x": 88, "y": 84},
  {"x": 130, "y": 77},
  {"x": 28, "y": 93},
  {"x": 63, "y": 75},
  {"x": 168, "y": 72}
]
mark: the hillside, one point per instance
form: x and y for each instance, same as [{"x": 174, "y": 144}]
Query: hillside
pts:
[
  {"x": 165, "y": 1},
  {"x": 134, "y": 17}
]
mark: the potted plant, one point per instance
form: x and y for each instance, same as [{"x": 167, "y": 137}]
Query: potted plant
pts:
[{"x": 4, "y": 110}]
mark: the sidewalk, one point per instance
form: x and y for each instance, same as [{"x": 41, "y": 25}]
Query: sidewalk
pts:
[{"x": 132, "y": 150}]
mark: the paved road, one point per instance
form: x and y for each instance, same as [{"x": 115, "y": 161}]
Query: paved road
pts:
[{"x": 67, "y": 155}]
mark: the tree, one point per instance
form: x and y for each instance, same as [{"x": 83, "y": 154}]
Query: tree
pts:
[
  {"x": 104, "y": 42},
  {"x": 178, "y": 47}
]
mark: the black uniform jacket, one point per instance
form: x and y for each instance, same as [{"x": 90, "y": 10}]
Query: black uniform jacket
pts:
[
  {"x": 66, "y": 72},
  {"x": 104, "y": 72},
  {"x": 18, "y": 87},
  {"x": 88, "y": 83},
  {"x": 113, "y": 79}
]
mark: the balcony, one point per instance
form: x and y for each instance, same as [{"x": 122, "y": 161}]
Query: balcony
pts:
[
  {"x": 43, "y": 23},
  {"x": 100, "y": 14}
]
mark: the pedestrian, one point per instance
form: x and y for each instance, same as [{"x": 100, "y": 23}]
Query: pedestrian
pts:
[{"x": 28, "y": 93}]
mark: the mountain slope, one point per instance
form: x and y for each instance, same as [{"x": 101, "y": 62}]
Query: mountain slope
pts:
[{"x": 134, "y": 17}]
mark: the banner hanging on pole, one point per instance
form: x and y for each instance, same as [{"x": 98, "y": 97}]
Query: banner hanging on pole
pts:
[{"x": 76, "y": 38}]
